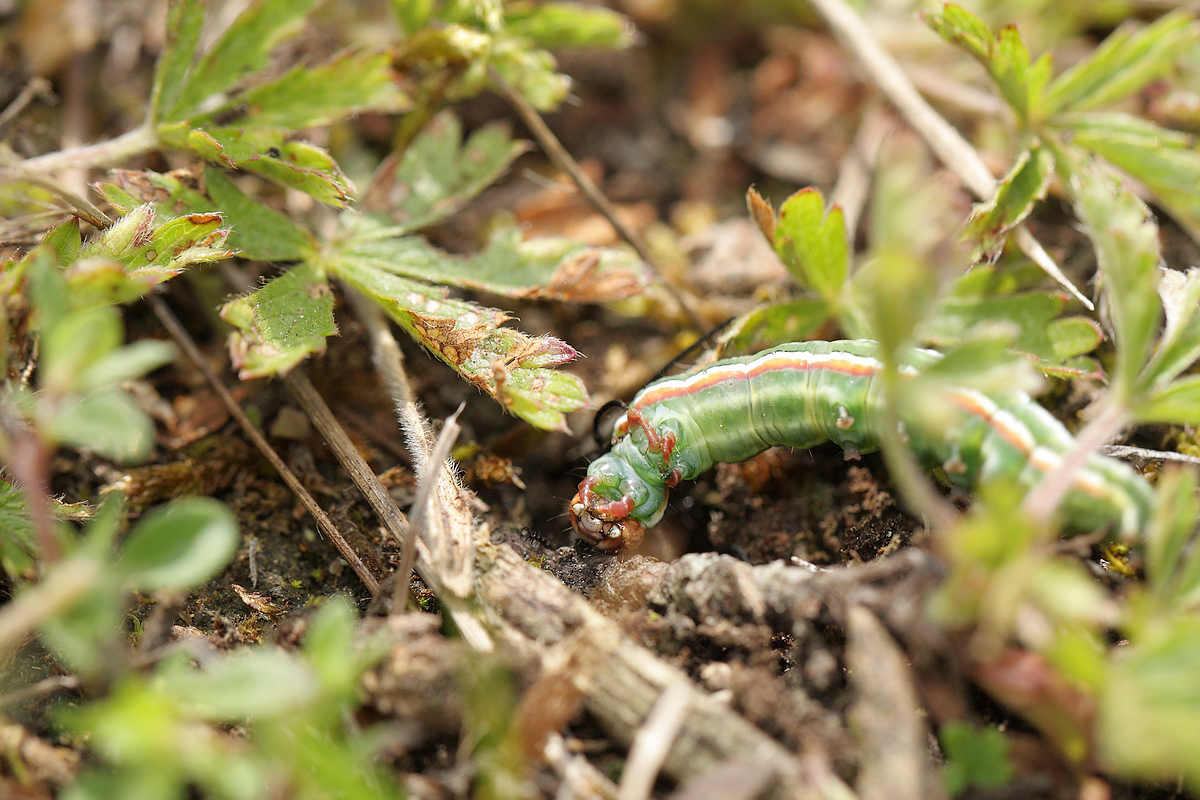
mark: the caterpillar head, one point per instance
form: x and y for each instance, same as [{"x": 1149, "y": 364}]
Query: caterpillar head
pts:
[{"x": 615, "y": 505}]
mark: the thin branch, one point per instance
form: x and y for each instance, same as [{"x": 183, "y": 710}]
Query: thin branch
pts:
[
  {"x": 946, "y": 142},
  {"x": 567, "y": 163},
  {"x": 111, "y": 151},
  {"x": 1125, "y": 451},
  {"x": 326, "y": 525}
]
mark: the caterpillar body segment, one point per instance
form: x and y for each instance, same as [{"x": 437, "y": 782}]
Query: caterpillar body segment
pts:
[{"x": 802, "y": 394}]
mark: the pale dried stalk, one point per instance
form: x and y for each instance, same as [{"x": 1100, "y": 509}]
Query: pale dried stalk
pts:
[{"x": 448, "y": 534}]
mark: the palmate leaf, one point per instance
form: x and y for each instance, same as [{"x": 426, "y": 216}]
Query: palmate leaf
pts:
[
  {"x": 250, "y": 128},
  {"x": 308, "y": 96},
  {"x": 255, "y": 231},
  {"x": 440, "y": 172},
  {"x": 546, "y": 268},
  {"x": 984, "y": 298},
  {"x": 138, "y": 252}
]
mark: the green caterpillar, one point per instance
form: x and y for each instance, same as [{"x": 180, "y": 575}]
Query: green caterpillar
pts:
[{"x": 803, "y": 394}]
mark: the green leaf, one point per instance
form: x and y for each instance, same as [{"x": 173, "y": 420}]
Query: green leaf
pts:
[
  {"x": 309, "y": 96},
  {"x": 241, "y": 50},
  {"x": 107, "y": 423},
  {"x": 789, "y": 321},
  {"x": 1032, "y": 316},
  {"x": 1172, "y": 563},
  {"x": 550, "y": 268},
  {"x": 259, "y": 232},
  {"x": 1166, "y": 162},
  {"x": 1176, "y": 403},
  {"x": 507, "y": 364},
  {"x": 180, "y": 546},
  {"x": 1127, "y": 252},
  {"x": 555, "y": 25},
  {"x": 812, "y": 244},
  {"x": 1021, "y": 81},
  {"x": 1022, "y": 187},
  {"x": 78, "y": 340},
  {"x": 296, "y": 164},
  {"x": 1148, "y": 715},
  {"x": 1123, "y": 63},
  {"x": 975, "y": 757},
  {"x": 124, "y": 363},
  {"x": 439, "y": 173},
  {"x": 185, "y": 19},
  {"x": 282, "y": 323},
  {"x": 1179, "y": 346},
  {"x": 139, "y": 252},
  {"x": 531, "y": 72},
  {"x": 251, "y": 684}
]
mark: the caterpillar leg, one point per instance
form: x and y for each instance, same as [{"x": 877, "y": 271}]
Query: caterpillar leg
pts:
[{"x": 604, "y": 523}]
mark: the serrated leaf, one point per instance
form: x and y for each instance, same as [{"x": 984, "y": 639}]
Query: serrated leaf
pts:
[
  {"x": 1127, "y": 252},
  {"x": 185, "y": 19},
  {"x": 259, "y": 232},
  {"x": 1123, "y": 63},
  {"x": 507, "y": 364},
  {"x": 242, "y": 49},
  {"x": 180, "y": 546},
  {"x": 553, "y": 25},
  {"x": 1015, "y": 197},
  {"x": 1166, "y": 162},
  {"x": 543, "y": 268},
  {"x": 296, "y": 164},
  {"x": 812, "y": 244},
  {"x": 308, "y": 96},
  {"x": 439, "y": 172},
  {"x": 141, "y": 251},
  {"x": 280, "y": 324},
  {"x": 1005, "y": 57},
  {"x": 1029, "y": 315}
]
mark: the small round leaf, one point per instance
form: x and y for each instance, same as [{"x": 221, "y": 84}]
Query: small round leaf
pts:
[{"x": 180, "y": 546}]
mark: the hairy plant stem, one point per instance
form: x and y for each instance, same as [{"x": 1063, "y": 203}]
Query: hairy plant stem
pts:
[{"x": 99, "y": 154}]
